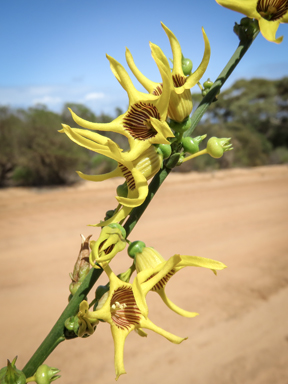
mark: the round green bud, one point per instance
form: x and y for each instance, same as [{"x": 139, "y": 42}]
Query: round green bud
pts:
[
  {"x": 216, "y": 147},
  {"x": 46, "y": 374},
  {"x": 187, "y": 66},
  {"x": 135, "y": 247},
  {"x": 165, "y": 150},
  {"x": 122, "y": 190},
  {"x": 180, "y": 127},
  {"x": 208, "y": 84},
  {"x": 190, "y": 145},
  {"x": 118, "y": 226}
]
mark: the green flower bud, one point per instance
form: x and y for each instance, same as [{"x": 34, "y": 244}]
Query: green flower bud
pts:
[
  {"x": 12, "y": 375},
  {"x": 187, "y": 66},
  {"x": 135, "y": 247},
  {"x": 46, "y": 374},
  {"x": 122, "y": 190},
  {"x": 165, "y": 150},
  {"x": 180, "y": 127},
  {"x": 191, "y": 145},
  {"x": 216, "y": 147},
  {"x": 208, "y": 84}
]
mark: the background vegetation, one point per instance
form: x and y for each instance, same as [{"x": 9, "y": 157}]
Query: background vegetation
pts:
[{"x": 253, "y": 113}]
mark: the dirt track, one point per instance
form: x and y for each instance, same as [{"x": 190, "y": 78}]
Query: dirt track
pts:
[{"x": 239, "y": 217}]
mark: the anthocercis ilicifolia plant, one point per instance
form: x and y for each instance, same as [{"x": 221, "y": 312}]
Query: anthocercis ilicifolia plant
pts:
[{"x": 159, "y": 130}]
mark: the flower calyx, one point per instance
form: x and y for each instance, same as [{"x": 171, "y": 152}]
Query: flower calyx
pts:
[
  {"x": 46, "y": 374},
  {"x": 11, "y": 375},
  {"x": 216, "y": 147},
  {"x": 246, "y": 29}
]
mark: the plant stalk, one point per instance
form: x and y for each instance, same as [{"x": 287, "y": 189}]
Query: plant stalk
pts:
[{"x": 56, "y": 335}]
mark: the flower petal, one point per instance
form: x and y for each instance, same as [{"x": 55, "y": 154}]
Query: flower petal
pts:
[
  {"x": 116, "y": 173},
  {"x": 176, "y": 51},
  {"x": 247, "y": 7},
  {"x": 119, "y": 337},
  {"x": 173, "y": 306},
  {"x": 147, "y": 83},
  {"x": 146, "y": 323},
  {"x": 196, "y": 261},
  {"x": 196, "y": 76},
  {"x": 269, "y": 29}
]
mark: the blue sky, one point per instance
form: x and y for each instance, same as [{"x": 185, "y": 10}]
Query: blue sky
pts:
[{"x": 53, "y": 51}]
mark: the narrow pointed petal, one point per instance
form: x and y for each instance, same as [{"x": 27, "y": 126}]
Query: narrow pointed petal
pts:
[
  {"x": 197, "y": 75},
  {"x": 176, "y": 51},
  {"x": 247, "y": 7},
  {"x": 196, "y": 261},
  {"x": 173, "y": 306},
  {"x": 116, "y": 173},
  {"x": 109, "y": 150},
  {"x": 269, "y": 29},
  {"x": 122, "y": 76},
  {"x": 147, "y": 84},
  {"x": 119, "y": 337},
  {"x": 167, "y": 82},
  {"x": 146, "y": 323},
  {"x": 93, "y": 136},
  {"x": 114, "y": 126},
  {"x": 119, "y": 216}
]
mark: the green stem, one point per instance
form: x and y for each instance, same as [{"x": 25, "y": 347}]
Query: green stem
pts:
[
  {"x": 229, "y": 68},
  {"x": 56, "y": 335}
]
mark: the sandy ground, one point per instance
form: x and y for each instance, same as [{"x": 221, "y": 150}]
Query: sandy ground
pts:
[{"x": 239, "y": 217}]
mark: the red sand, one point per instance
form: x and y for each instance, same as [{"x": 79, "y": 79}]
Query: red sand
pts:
[{"x": 239, "y": 217}]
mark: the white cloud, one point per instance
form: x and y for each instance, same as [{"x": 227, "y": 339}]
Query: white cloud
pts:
[
  {"x": 47, "y": 100},
  {"x": 94, "y": 96}
]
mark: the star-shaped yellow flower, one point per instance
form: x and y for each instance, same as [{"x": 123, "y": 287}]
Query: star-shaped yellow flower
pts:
[
  {"x": 269, "y": 13},
  {"x": 125, "y": 309},
  {"x": 135, "y": 170},
  {"x": 148, "y": 258},
  {"x": 180, "y": 104},
  {"x": 144, "y": 123}
]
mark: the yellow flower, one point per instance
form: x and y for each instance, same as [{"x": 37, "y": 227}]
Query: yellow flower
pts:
[
  {"x": 180, "y": 104},
  {"x": 147, "y": 258},
  {"x": 269, "y": 13},
  {"x": 136, "y": 170},
  {"x": 112, "y": 240},
  {"x": 144, "y": 123},
  {"x": 125, "y": 309}
]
